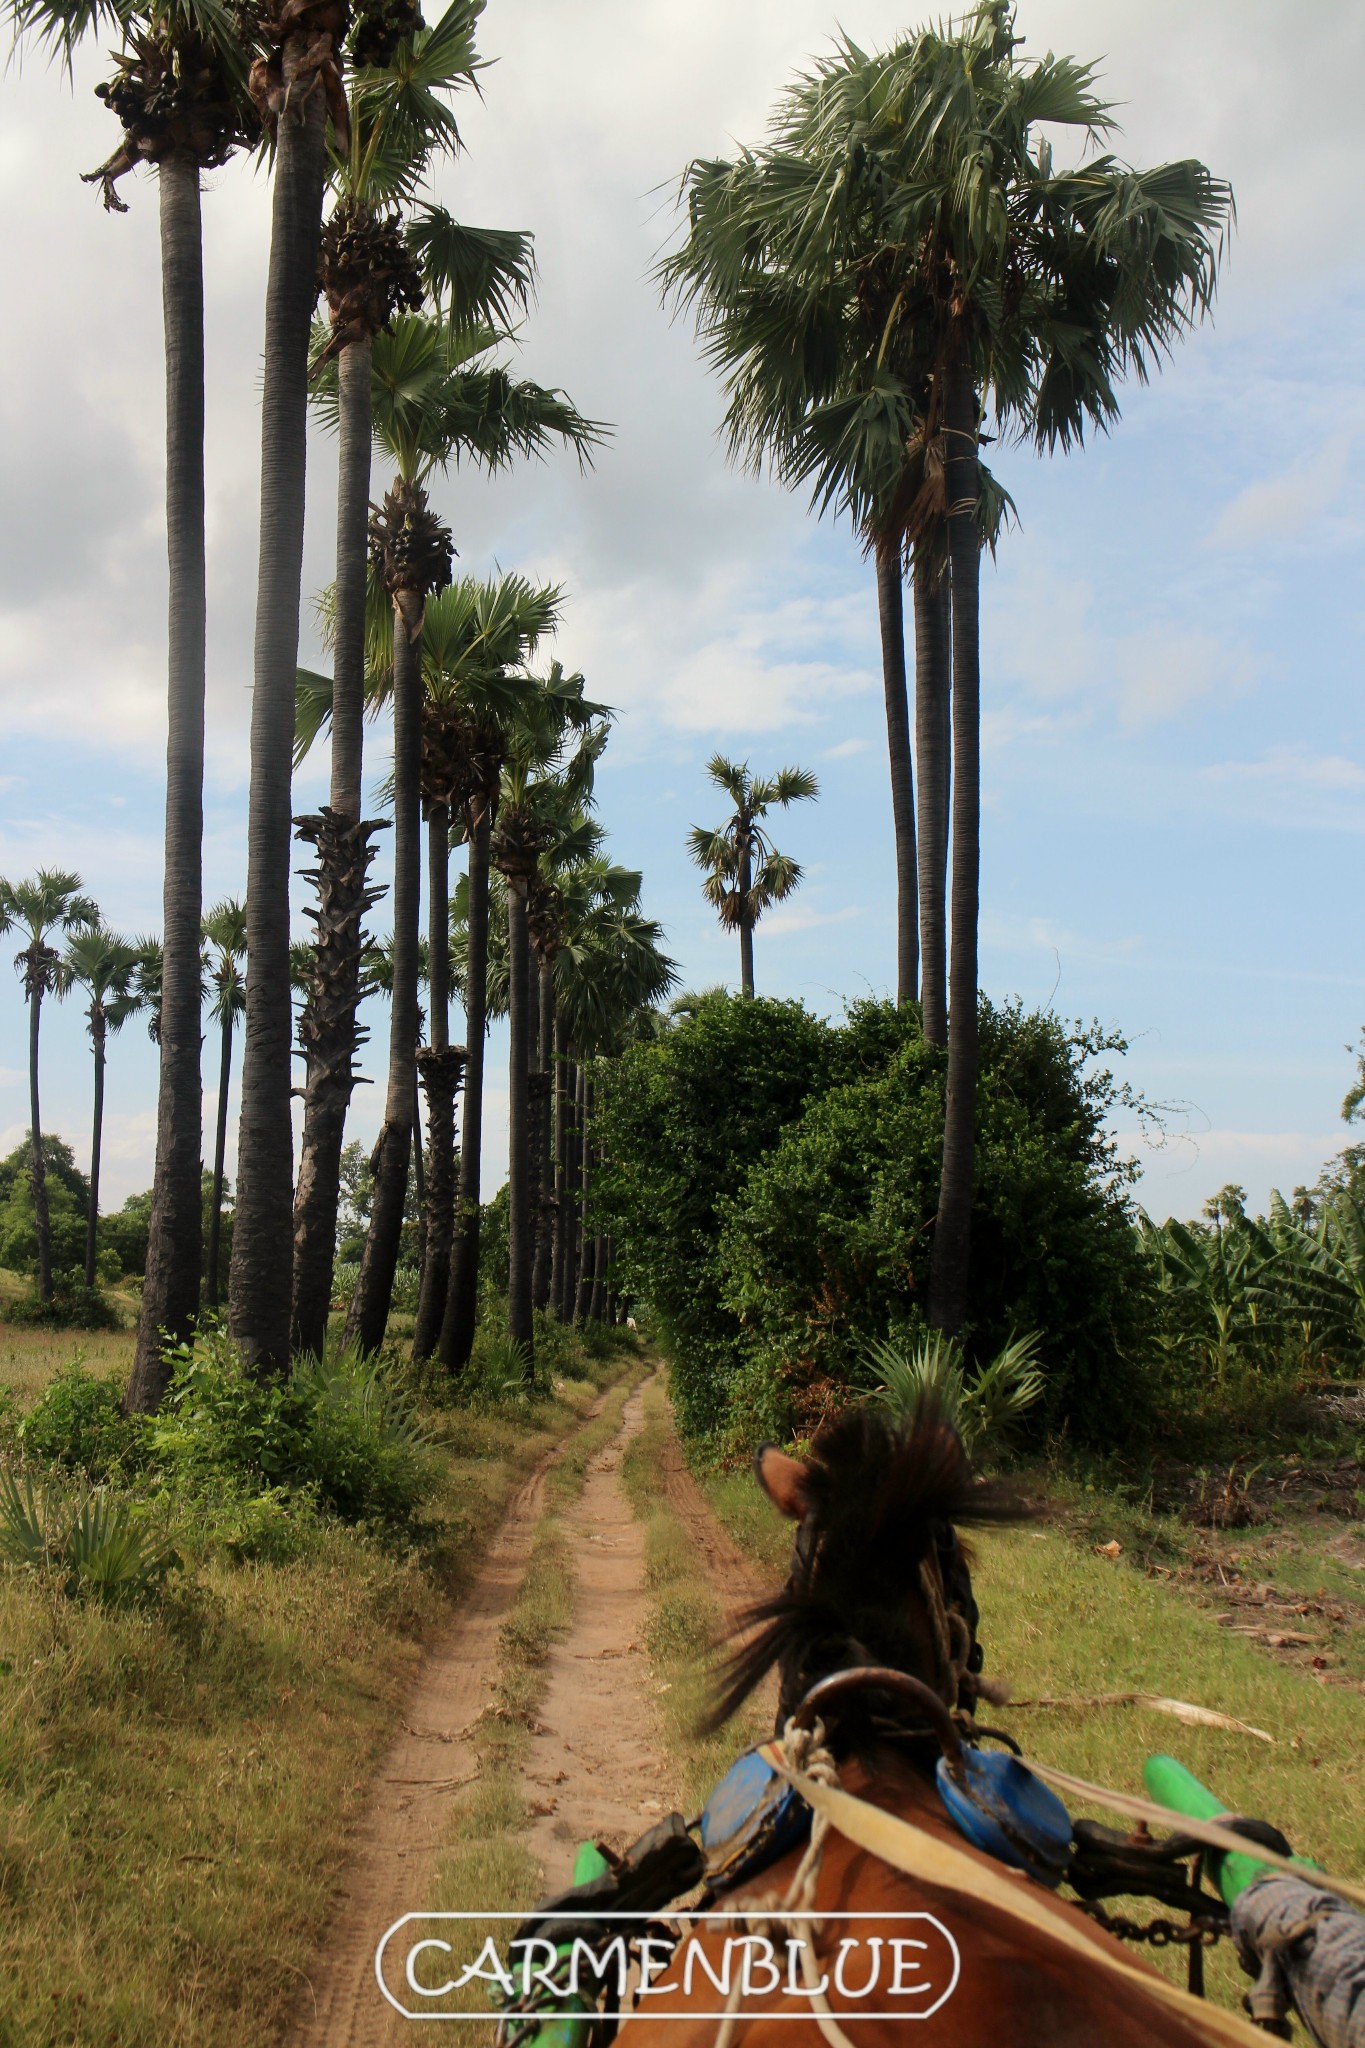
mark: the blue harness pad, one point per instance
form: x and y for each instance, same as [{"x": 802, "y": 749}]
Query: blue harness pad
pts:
[
  {"x": 1002, "y": 1808},
  {"x": 752, "y": 1817}
]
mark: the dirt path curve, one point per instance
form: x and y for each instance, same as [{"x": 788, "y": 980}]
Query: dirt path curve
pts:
[{"x": 394, "y": 1852}]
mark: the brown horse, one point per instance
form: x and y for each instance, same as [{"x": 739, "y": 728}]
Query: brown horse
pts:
[{"x": 879, "y": 1578}]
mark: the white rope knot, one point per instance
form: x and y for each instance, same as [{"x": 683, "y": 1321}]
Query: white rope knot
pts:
[{"x": 803, "y": 1750}]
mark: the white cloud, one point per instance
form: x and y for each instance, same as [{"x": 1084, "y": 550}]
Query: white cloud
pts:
[
  {"x": 802, "y": 917},
  {"x": 1294, "y": 787},
  {"x": 1292, "y": 505},
  {"x": 846, "y": 748}
]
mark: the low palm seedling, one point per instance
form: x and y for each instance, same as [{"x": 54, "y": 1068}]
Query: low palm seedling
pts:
[
  {"x": 983, "y": 1406},
  {"x": 96, "y": 1547}
]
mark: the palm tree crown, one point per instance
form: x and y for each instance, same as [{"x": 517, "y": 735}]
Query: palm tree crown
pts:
[{"x": 743, "y": 872}]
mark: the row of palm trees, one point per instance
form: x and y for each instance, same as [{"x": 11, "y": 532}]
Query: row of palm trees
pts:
[
  {"x": 900, "y": 262},
  {"x": 410, "y": 356}
]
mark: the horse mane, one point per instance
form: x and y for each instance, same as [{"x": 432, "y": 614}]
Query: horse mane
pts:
[{"x": 880, "y": 1495}]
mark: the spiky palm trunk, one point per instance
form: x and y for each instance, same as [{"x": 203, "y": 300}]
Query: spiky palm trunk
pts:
[
  {"x": 933, "y": 742},
  {"x": 952, "y": 1229},
  {"x": 331, "y": 1036},
  {"x": 219, "y": 1161},
  {"x": 262, "y": 1280},
  {"x": 891, "y": 619},
  {"x": 98, "y": 1038},
  {"x": 170, "y": 1290},
  {"x": 368, "y": 1314},
  {"x": 462, "y": 1293}
]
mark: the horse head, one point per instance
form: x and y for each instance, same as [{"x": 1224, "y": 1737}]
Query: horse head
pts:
[{"x": 879, "y": 1575}]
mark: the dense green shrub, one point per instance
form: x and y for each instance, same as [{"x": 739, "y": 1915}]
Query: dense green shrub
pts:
[
  {"x": 682, "y": 1120},
  {"x": 68, "y": 1203},
  {"x": 827, "y": 1246},
  {"x": 78, "y": 1422},
  {"x": 338, "y": 1429},
  {"x": 73, "y": 1306}
]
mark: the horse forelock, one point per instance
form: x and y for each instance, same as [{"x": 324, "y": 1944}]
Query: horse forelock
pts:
[{"x": 882, "y": 1498}]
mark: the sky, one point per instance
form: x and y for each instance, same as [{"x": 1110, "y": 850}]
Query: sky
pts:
[{"x": 1173, "y": 723}]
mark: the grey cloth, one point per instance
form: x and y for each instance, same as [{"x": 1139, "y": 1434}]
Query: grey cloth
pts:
[{"x": 1309, "y": 1947}]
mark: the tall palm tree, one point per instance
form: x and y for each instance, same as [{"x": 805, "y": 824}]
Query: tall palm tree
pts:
[
  {"x": 180, "y": 93},
  {"x": 479, "y": 635},
  {"x": 297, "y": 81},
  {"x": 743, "y": 873},
  {"x": 48, "y": 906},
  {"x": 225, "y": 934},
  {"x": 544, "y": 791},
  {"x": 106, "y": 967},
  {"x": 437, "y": 400},
  {"x": 374, "y": 263},
  {"x": 1004, "y": 280}
]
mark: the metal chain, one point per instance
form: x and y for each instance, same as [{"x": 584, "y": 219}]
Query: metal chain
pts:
[{"x": 1200, "y": 1932}]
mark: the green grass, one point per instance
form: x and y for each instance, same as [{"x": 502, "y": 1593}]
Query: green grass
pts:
[
  {"x": 684, "y": 1619},
  {"x": 29, "y": 1358},
  {"x": 176, "y": 1784}
]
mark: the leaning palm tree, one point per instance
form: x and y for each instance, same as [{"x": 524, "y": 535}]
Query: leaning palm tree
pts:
[
  {"x": 743, "y": 873},
  {"x": 180, "y": 94},
  {"x": 106, "y": 967},
  {"x": 48, "y": 906},
  {"x": 225, "y": 934}
]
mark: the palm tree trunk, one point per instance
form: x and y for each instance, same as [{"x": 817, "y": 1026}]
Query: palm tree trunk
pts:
[
  {"x": 598, "y": 1306},
  {"x": 559, "y": 1243},
  {"x": 933, "y": 742},
  {"x": 462, "y": 1293},
  {"x": 746, "y": 926},
  {"x": 92, "y": 1214},
  {"x": 583, "y": 1282},
  {"x": 331, "y": 1036},
  {"x": 891, "y": 618},
  {"x": 952, "y": 1229},
  {"x": 170, "y": 1290},
  {"x": 332, "y": 1044},
  {"x": 261, "y": 1283},
  {"x": 368, "y": 1315},
  {"x": 441, "y": 1081},
  {"x": 520, "y": 1326},
  {"x": 544, "y": 1139},
  {"x": 219, "y": 1158},
  {"x": 37, "y": 1165}
]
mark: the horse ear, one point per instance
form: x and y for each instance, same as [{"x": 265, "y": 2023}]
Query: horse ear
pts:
[{"x": 783, "y": 1479}]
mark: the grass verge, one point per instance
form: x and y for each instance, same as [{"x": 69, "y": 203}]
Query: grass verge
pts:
[
  {"x": 684, "y": 1620},
  {"x": 176, "y": 1782}
]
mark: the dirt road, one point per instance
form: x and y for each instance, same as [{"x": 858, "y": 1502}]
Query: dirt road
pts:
[{"x": 594, "y": 1764}]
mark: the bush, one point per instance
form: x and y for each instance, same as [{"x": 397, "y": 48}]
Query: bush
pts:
[
  {"x": 826, "y": 1249},
  {"x": 98, "y": 1546},
  {"x": 68, "y": 1203},
  {"x": 78, "y": 1422},
  {"x": 73, "y": 1306},
  {"x": 338, "y": 1430},
  {"x": 682, "y": 1120}
]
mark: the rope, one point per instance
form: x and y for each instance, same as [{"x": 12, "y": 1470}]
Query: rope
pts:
[{"x": 804, "y": 1750}]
